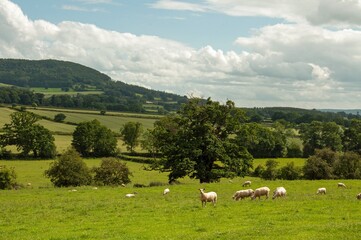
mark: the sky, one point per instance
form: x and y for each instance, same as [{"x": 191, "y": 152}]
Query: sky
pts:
[{"x": 264, "y": 53}]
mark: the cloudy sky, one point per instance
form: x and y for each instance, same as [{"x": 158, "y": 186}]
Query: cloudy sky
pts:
[{"x": 256, "y": 53}]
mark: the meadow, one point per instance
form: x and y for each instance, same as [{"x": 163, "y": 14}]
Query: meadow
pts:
[{"x": 44, "y": 212}]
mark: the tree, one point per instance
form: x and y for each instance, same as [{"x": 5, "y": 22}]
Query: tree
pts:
[
  {"x": 130, "y": 133},
  {"x": 319, "y": 166},
  {"x": 92, "y": 139},
  {"x": 7, "y": 177},
  {"x": 348, "y": 166},
  {"x": 271, "y": 172},
  {"x": 59, "y": 117},
  {"x": 112, "y": 172},
  {"x": 318, "y": 135},
  {"x": 28, "y": 136},
  {"x": 199, "y": 142},
  {"x": 69, "y": 170},
  {"x": 352, "y": 137},
  {"x": 290, "y": 172}
]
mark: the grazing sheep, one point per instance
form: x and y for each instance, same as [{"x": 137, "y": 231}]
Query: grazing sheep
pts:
[
  {"x": 340, "y": 184},
  {"x": 321, "y": 191},
  {"x": 208, "y": 197},
  {"x": 358, "y": 196},
  {"x": 246, "y": 183},
  {"x": 279, "y": 192},
  {"x": 166, "y": 191},
  {"x": 263, "y": 191},
  {"x": 130, "y": 195},
  {"x": 242, "y": 194}
]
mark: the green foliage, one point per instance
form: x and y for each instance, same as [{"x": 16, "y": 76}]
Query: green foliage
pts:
[
  {"x": 319, "y": 166},
  {"x": 130, "y": 133},
  {"x": 112, "y": 172},
  {"x": 290, "y": 172},
  {"x": 318, "y": 135},
  {"x": 258, "y": 171},
  {"x": 352, "y": 137},
  {"x": 7, "y": 177},
  {"x": 59, "y": 117},
  {"x": 348, "y": 166},
  {"x": 198, "y": 142},
  {"x": 294, "y": 150},
  {"x": 69, "y": 170},
  {"x": 93, "y": 139},
  {"x": 28, "y": 136},
  {"x": 271, "y": 171}
]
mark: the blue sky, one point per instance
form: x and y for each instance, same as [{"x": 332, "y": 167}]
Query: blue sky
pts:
[{"x": 255, "y": 53}]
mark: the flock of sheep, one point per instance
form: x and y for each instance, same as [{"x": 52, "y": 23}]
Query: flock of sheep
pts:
[{"x": 241, "y": 194}]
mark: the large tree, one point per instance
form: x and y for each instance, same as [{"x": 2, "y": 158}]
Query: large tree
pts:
[
  {"x": 28, "y": 136},
  {"x": 199, "y": 141},
  {"x": 93, "y": 139}
]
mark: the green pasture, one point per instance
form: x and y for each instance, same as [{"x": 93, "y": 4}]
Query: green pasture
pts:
[
  {"x": 299, "y": 162},
  {"x": 44, "y": 212},
  {"x": 58, "y": 91}
]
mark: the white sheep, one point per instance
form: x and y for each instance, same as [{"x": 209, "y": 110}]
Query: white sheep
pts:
[
  {"x": 246, "y": 183},
  {"x": 358, "y": 196},
  {"x": 340, "y": 184},
  {"x": 130, "y": 195},
  {"x": 166, "y": 191},
  {"x": 263, "y": 191},
  {"x": 207, "y": 197},
  {"x": 279, "y": 192},
  {"x": 242, "y": 194},
  {"x": 321, "y": 191}
]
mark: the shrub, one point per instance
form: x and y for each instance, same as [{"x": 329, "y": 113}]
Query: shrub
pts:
[
  {"x": 112, "y": 172},
  {"x": 7, "y": 177},
  {"x": 290, "y": 172},
  {"x": 59, "y": 117},
  {"x": 348, "y": 166},
  {"x": 69, "y": 170},
  {"x": 319, "y": 166},
  {"x": 271, "y": 172},
  {"x": 258, "y": 171}
]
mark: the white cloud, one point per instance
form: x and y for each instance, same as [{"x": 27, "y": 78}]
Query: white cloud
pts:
[
  {"x": 297, "y": 65},
  {"x": 178, "y": 5}
]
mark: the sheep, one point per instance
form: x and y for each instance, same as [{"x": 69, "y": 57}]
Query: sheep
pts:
[
  {"x": 358, "y": 196},
  {"x": 263, "y": 191},
  {"x": 321, "y": 191},
  {"x": 242, "y": 194},
  {"x": 246, "y": 183},
  {"x": 166, "y": 191},
  {"x": 340, "y": 184},
  {"x": 207, "y": 197},
  {"x": 279, "y": 192},
  {"x": 130, "y": 195}
]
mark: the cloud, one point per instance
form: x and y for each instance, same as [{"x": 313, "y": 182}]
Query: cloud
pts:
[
  {"x": 298, "y": 65},
  {"x": 340, "y": 13},
  {"x": 80, "y": 9}
]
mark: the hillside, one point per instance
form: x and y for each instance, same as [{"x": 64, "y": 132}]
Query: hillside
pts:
[{"x": 67, "y": 84}]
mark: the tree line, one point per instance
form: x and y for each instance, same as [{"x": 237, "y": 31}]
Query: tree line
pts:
[{"x": 204, "y": 140}]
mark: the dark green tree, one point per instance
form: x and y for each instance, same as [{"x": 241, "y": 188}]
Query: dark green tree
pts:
[
  {"x": 130, "y": 133},
  {"x": 7, "y": 177},
  {"x": 93, "y": 139},
  {"x": 27, "y": 136},
  {"x": 290, "y": 172},
  {"x": 271, "y": 171},
  {"x": 59, "y": 117},
  {"x": 112, "y": 172},
  {"x": 348, "y": 166},
  {"x": 69, "y": 170},
  {"x": 352, "y": 137},
  {"x": 199, "y": 142},
  {"x": 320, "y": 165}
]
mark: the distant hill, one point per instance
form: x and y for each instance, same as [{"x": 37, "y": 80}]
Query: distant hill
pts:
[
  {"x": 347, "y": 111},
  {"x": 71, "y": 80}
]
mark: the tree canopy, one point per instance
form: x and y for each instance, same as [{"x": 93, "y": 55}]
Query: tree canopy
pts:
[{"x": 199, "y": 141}]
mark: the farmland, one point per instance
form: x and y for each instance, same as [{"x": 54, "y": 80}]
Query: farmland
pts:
[{"x": 44, "y": 212}]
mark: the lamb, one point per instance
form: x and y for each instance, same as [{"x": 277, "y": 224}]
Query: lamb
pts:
[
  {"x": 321, "y": 191},
  {"x": 358, "y": 196},
  {"x": 279, "y": 192},
  {"x": 263, "y": 191},
  {"x": 208, "y": 197},
  {"x": 340, "y": 184},
  {"x": 242, "y": 194},
  {"x": 166, "y": 191},
  {"x": 246, "y": 183}
]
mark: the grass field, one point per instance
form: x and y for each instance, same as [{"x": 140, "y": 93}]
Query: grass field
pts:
[{"x": 43, "y": 212}]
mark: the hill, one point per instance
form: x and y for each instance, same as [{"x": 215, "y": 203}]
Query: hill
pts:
[{"x": 71, "y": 85}]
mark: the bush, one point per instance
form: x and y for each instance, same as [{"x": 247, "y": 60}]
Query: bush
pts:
[
  {"x": 59, "y": 117},
  {"x": 258, "y": 171},
  {"x": 290, "y": 172},
  {"x": 319, "y": 166},
  {"x": 7, "y": 178},
  {"x": 112, "y": 172},
  {"x": 271, "y": 171},
  {"x": 69, "y": 170},
  {"x": 348, "y": 166}
]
